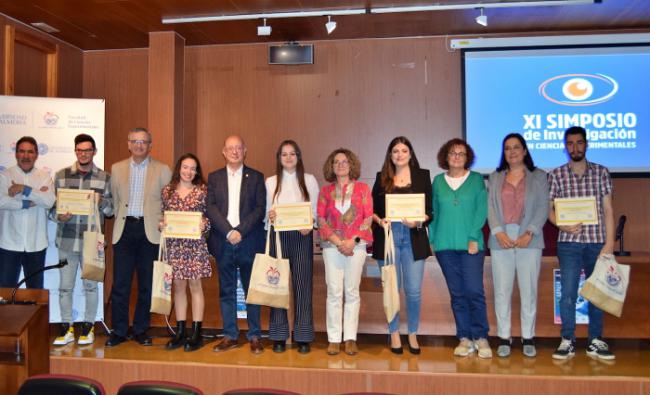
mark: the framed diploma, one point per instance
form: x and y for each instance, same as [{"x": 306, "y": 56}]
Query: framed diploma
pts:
[
  {"x": 183, "y": 224},
  {"x": 571, "y": 211},
  {"x": 74, "y": 201},
  {"x": 293, "y": 216},
  {"x": 405, "y": 205}
]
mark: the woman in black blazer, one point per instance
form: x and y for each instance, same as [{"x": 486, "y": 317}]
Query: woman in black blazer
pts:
[{"x": 401, "y": 173}]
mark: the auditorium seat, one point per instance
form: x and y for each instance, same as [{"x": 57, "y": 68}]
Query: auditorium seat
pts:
[
  {"x": 147, "y": 387},
  {"x": 258, "y": 391},
  {"x": 60, "y": 384}
]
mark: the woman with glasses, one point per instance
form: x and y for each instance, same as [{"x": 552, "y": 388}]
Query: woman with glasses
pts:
[
  {"x": 517, "y": 212},
  {"x": 401, "y": 173},
  {"x": 459, "y": 212},
  {"x": 344, "y": 219},
  {"x": 291, "y": 184}
]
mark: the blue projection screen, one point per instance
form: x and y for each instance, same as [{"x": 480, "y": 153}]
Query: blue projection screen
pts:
[{"x": 542, "y": 92}]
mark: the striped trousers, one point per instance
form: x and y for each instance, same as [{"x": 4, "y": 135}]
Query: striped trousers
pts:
[{"x": 299, "y": 250}]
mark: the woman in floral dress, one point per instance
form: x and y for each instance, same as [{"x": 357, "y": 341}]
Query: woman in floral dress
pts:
[{"x": 189, "y": 258}]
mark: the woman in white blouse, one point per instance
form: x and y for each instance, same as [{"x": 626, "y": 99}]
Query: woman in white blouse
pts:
[{"x": 290, "y": 184}]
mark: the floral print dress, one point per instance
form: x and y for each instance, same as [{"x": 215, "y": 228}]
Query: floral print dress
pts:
[{"x": 189, "y": 258}]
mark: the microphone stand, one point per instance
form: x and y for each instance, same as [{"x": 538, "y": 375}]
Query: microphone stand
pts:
[{"x": 36, "y": 273}]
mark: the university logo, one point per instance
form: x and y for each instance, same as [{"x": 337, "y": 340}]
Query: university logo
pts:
[
  {"x": 50, "y": 118},
  {"x": 43, "y": 149},
  {"x": 273, "y": 276},
  {"x": 579, "y": 89},
  {"x": 613, "y": 278}
]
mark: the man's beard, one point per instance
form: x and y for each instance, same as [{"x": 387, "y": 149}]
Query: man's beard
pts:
[{"x": 577, "y": 157}]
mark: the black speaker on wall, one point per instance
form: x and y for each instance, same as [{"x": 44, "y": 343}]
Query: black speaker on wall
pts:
[{"x": 291, "y": 53}]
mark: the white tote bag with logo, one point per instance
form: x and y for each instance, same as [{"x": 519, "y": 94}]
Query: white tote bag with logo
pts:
[
  {"x": 269, "y": 285},
  {"x": 161, "y": 285},
  {"x": 94, "y": 259},
  {"x": 607, "y": 285},
  {"x": 389, "y": 277}
]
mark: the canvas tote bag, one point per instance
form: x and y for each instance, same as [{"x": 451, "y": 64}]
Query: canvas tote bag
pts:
[
  {"x": 161, "y": 285},
  {"x": 94, "y": 259},
  {"x": 269, "y": 285},
  {"x": 389, "y": 277},
  {"x": 607, "y": 285}
]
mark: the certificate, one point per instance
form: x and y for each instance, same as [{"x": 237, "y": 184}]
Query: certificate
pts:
[
  {"x": 293, "y": 216},
  {"x": 75, "y": 201},
  {"x": 183, "y": 224},
  {"x": 405, "y": 205},
  {"x": 571, "y": 211}
]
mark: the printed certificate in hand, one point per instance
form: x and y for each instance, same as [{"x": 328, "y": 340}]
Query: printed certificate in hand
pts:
[
  {"x": 405, "y": 205},
  {"x": 183, "y": 224},
  {"x": 74, "y": 201},
  {"x": 571, "y": 211},
  {"x": 293, "y": 216}
]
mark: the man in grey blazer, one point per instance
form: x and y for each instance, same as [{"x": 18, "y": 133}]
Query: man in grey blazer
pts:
[
  {"x": 236, "y": 208},
  {"x": 136, "y": 184}
]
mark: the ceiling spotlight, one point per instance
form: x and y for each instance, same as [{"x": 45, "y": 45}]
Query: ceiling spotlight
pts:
[
  {"x": 264, "y": 30},
  {"x": 482, "y": 19},
  {"x": 330, "y": 25}
]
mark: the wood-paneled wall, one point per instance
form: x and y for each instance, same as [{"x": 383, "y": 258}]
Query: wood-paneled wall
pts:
[{"x": 358, "y": 94}]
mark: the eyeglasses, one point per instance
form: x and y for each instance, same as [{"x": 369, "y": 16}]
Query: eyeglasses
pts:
[
  {"x": 140, "y": 142},
  {"x": 235, "y": 149},
  {"x": 85, "y": 151},
  {"x": 457, "y": 154},
  {"x": 341, "y": 163}
]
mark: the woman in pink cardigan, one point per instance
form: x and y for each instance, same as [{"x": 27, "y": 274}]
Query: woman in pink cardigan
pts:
[{"x": 344, "y": 219}]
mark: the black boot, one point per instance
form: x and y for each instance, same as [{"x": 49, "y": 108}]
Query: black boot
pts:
[
  {"x": 179, "y": 339},
  {"x": 195, "y": 341}
]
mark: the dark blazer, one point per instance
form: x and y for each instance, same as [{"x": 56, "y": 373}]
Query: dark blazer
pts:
[
  {"x": 420, "y": 183},
  {"x": 252, "y": 203}
]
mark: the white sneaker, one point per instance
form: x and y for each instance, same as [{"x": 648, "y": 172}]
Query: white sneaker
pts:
[
  {"x": 66, "y": 335},
  {"x": 464, "y": 348},
  {"x": 87, "y": 334},
  {"x": 484, "y": 350}
]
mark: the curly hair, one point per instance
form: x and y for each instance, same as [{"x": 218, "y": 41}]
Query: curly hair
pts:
[
  {"x": 443, "y": 153},
  {"x": 328, "y": 166}
]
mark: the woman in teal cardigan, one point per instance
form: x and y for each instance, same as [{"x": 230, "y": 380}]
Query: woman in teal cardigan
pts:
[{"x": 459, "y": 213}]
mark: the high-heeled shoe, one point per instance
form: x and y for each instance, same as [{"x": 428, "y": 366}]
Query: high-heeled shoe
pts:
[{"x": 413, "y": 350}]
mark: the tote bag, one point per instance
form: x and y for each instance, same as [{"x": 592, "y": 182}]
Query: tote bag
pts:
[
  {"x": 161, "y": 285},
  {"x": 94, "y": 259},
  {"x": 269, "y": 285},
  {"x": 607, "y": 285},
  {"x": 389, "y": 277}
]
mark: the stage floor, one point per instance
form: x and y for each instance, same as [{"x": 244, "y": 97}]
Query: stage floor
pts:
[{"x": 632, "y": 357}]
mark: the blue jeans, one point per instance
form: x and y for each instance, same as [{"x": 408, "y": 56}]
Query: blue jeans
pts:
[
  {"x": 573, "y": 257},
  {"x": 12, "y": 261},
  {"x": 409, "y": 276},
  {"x": 237, "y": 256},
  {"x": 464, "y": 275}
]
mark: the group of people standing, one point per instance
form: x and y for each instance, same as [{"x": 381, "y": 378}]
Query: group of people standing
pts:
[{"x": 237, "y": 203}]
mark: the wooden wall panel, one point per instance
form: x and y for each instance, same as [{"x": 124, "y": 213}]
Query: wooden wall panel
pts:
[
  {"x": 70, "y": 72},
  {"x": 119, "y": 77},
  {"x": 30, "y": 71},
  {"x": 358, "y": 94}
]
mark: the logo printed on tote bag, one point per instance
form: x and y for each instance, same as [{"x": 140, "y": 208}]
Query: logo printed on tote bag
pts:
[
  {"x": 273, "y": 276},
  {"x": 613, "y": 278}
]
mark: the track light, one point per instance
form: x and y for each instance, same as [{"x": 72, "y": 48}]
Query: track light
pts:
[
  {"x": 264, "y": 30},
  {"x": 482, "y": 19},
  {"x": 330, "y": 26}
]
